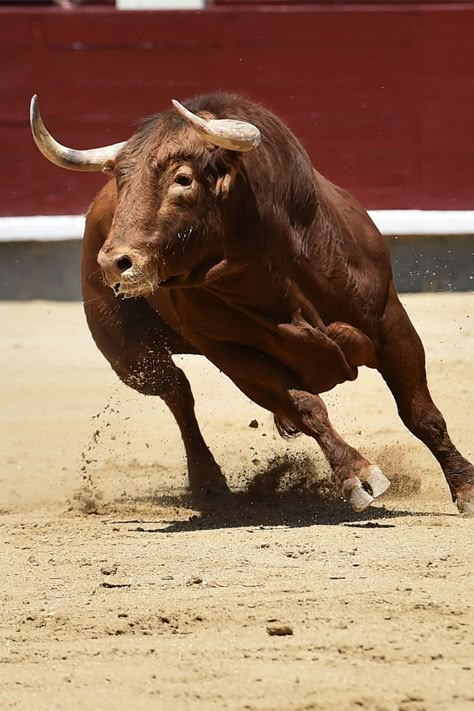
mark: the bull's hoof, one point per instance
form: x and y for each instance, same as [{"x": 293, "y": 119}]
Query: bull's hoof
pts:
[
  {"x": 375, "y": 481},
  {"x": 361, "y": 492},
  {"x": 207, "y": 483},
  {"x": 465, "y": 500},
  {"x": 209, "y": 497},
  {"x": 360, "y": 499}
]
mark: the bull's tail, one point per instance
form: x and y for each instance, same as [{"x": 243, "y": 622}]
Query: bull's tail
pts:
[{"x": 285, "y": 428}]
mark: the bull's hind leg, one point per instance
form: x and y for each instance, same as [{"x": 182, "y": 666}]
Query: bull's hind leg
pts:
[
  {"x": 402, "y": 365},
  {"x": 138, "y": 344}
]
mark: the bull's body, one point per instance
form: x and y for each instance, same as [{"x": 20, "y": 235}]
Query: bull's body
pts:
[{"x": 274, "y": 274}]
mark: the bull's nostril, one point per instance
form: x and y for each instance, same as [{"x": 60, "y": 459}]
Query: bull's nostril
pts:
[{"x": 123, "y": 263}]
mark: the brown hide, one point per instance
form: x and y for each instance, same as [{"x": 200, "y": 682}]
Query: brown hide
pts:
[
  {"x": 272, "y": 260},
  {"x": 259, "y": 263}
]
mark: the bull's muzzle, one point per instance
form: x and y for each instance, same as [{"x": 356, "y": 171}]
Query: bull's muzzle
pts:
[
  {"x": 121, "y": 271},
  {"x": 114, "y": 265}
]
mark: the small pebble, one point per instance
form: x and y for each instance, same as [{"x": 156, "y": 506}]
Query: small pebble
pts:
[
  {"x": 195, "y": 580},
  {"x": 279, "y": 630},
  {"x": 109, "y": 569}
]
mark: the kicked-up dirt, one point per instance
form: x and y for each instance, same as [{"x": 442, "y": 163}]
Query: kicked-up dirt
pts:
[{"x": 116, "y": 594}]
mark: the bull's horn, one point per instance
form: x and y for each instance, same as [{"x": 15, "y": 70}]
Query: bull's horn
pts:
[
  {"x": 94, "y": 159},
  {"x": 227, "y": 133}
]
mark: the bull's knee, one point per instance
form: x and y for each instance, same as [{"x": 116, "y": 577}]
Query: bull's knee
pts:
[
  {"x": 140, "y": 382},
  {"x": 356, "y": 346},
  {"x": 146, "y": 379}
]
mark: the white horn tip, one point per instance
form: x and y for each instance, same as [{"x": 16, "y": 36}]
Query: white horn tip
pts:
[
  {"x": 182, "y": 109},
  {"x": 188, "y": 115},
  {"x": 33, "y": 104},
  {"x": 179, "y": 107}
]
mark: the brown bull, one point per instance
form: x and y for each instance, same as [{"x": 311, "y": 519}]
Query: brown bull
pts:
[{"x": 212, "y": 241}]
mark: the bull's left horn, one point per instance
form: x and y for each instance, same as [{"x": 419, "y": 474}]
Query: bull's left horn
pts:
[
  {"x": 91, "y": 160},
  {"x": 227, "y": 133}
]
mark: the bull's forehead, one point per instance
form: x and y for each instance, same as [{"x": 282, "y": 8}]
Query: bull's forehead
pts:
[{"x": 161, "y": 142}]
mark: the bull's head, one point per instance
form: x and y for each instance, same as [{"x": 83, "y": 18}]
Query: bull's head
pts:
[{"x": 172, "y": 180}]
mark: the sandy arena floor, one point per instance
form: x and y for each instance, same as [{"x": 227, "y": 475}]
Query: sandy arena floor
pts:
[{"x": 117, "y": 595}]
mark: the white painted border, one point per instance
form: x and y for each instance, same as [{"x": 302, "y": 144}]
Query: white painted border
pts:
[
  {"x": 41, "y": 228},
  {"x": 424, "y": 222},
  {"x": 389, "y": 222},
  {"x": 160, "y": 4}
]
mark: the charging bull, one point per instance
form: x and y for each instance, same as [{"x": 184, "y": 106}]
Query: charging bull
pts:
[{"x": 216, "y": 236}]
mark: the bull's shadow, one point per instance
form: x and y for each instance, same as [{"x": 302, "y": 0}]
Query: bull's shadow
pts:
[
  {"x": 277, "y": 496},
  {"x": 242, "y": 509}
]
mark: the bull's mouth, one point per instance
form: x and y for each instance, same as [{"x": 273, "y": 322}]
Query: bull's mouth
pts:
[
  {"x": 172, "y": 281},
  {"x": 200, "y": 276},
  {"x": 133, "y": 289}
]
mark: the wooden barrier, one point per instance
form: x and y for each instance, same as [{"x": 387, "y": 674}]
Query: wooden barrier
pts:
[{"x": 381, "y": 96}]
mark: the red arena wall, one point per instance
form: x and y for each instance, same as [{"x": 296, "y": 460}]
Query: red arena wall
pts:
[{"x": 382, "y": 96}]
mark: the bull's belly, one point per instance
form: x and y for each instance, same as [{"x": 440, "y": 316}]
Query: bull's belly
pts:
[{"x": 220, "y": 330}]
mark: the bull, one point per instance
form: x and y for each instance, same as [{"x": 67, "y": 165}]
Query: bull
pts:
[{"x": 216, "y": 236}]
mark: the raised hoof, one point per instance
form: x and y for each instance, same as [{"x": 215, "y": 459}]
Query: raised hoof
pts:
[
  {"x": 357, "y": 496},
  {"x": 465, "y": 500},
  {"x": 361, "y": 492},
  {"x": 375, "y": 482}
]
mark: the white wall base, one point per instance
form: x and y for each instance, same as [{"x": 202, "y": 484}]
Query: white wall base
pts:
[
  {"x": 424, "y": 222},
  {"x": 160, "y": 4}
]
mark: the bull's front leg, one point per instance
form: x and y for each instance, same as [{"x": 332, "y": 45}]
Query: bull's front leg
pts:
[
  {"x": 154, "y": 373},
  {"x": 138, "y": 344},
  {"x": 358, "y": 481},
  {"x": 274, "y": 387}
]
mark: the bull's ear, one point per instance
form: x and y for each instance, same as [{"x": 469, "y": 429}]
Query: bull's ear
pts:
[{"x": 228, "y": 174}]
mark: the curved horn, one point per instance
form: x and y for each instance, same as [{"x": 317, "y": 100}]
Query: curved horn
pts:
[
  {"x": 92, "y": 160},
  {"x": 227, "y": 133}
]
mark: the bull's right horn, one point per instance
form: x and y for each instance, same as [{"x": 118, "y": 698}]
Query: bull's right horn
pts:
[
  {"x": 91, "y": 160},
  {"x": 227, "y": 133}
]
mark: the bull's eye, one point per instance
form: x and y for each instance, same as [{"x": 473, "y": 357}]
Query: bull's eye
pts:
[{"x": 184, "y": 180}]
